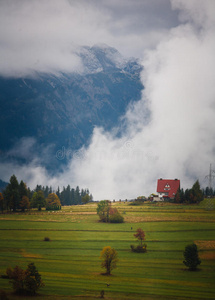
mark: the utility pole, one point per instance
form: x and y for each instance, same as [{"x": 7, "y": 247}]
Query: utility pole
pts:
[
  {"x": 210, "y": 202},
  {"x": 210, "y": 177}
]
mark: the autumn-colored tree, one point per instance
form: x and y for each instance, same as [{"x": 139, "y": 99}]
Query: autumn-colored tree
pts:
[
  {"x": 1, "y": 202},
  {"x": 25, "y": 281},
  {"x": 24, "y": 203},
  {"x": 53, "y": 202},
  {"x": 17, "y": 276},
  {"x": 109, "y": 258},
  {"x": 140, "y": 235},
  {"x": 115, "y": 216}
]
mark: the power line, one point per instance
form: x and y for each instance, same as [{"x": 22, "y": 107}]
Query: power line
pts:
[{"x": 210, "y": 177}]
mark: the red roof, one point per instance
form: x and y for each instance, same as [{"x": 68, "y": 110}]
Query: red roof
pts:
[{"x": 168, "y": 186}]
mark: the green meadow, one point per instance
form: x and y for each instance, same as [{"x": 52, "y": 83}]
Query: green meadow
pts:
[{"x": 70, "y": 266}]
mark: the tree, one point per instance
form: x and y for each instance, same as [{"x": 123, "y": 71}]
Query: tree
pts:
[
  {"x": 103, "y": 208},
  {"x": 53, "y": 202},
  {"x": 85, "y": 199},
  {"x": 24, "y": 203},
  {"x": 17, "y": 276},
  {"x": 77, "y": 195},
  {"x": 38, "y": 200},
  {"x": 11, "y": 193},
  {"x": 191, "y": 257},
  {"x": 177, "y": 198},
  {"x": 33, "y": 279},
  {"x": 197, "y": 192},
  {"x": 114, "y": 216},
  {"x": 23, "y": 190},
  {"x": 140, "y": 235},
  {"x": 1, "y": 202},
  {"x": 25, "y": 281},
  {"x": 109, "y": 258}
]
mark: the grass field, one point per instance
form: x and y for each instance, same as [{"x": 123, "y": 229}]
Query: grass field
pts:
[{"x": 70, "y": 264}]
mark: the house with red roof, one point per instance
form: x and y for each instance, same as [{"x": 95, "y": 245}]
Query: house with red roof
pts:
[{"x": 167, "y": 188}]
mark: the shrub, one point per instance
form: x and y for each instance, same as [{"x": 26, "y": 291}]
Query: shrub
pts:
[
  {"x": 116, "y": 218},
  {"x": 47, "y": 239},
  {"x": 139, "y": 248},
  {"x": 53, "y": 207},
  {"x": 107, "y": 213}
]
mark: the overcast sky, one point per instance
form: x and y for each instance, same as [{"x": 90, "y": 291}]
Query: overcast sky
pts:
[
  {"x": 43, "y": 35},
  {"x": 175, "y": 42}
]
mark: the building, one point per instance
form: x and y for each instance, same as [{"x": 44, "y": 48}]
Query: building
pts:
[{"x": 167, "y": 188}]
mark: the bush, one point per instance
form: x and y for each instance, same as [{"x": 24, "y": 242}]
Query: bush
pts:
[
  {"x": 53, "y": 207},
  {"x": 116, "y": 218},
  {"x": 47, "y": 239},
  {"x": 139, "y": 248}
]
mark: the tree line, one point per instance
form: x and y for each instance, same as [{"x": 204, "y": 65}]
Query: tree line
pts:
[
  {"x": 17, "y": 196},
  {"x": 208, "y": 192},
  {"x": 191, "y": 196}
]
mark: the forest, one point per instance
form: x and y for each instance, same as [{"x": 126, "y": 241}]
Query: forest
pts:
[{"x": 17, "y": 196}]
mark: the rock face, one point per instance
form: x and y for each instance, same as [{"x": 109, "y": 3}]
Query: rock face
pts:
[{"x": 58, "y": 111}]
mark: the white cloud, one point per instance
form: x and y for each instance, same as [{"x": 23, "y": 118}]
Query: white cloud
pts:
[
  {"x": 178, "y": 142},
  {"x": 43, "y": 36}
]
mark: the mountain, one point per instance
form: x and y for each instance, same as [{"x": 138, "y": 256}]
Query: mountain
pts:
[
  {"x": 49, "y": 112},
  {"x": 2, "y": 185}
]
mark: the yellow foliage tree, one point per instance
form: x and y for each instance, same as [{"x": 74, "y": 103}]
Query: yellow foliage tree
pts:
[
  {"x": 53, "y": 202},
  {"x": 109, "y": 258}
]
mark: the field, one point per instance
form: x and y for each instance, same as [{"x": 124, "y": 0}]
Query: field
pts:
[{"x": 70, "y": 264}]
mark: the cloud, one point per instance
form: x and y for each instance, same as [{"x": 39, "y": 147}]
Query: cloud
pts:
[
  {"x": 178, "y": 140},
  {"x": 169, "y": 133},
  {"x": 44, "y": 36}
]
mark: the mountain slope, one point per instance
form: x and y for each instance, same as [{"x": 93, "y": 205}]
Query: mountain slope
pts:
[{"x": 55, "y": 111}]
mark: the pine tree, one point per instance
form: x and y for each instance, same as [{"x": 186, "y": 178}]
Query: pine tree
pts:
[
  {"x": 11, "y": 193},
  {"x": 191, "y": 257}
]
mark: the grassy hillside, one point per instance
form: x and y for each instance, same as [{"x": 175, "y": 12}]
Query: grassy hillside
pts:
[{"x": 70, "y": 264}]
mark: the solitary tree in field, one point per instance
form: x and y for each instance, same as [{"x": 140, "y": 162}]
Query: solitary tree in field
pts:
[
  {"x": 191, "y": 257},
  {"x": 140, "y": 235},
  {"x": 109, "y": 258}
]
